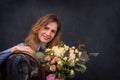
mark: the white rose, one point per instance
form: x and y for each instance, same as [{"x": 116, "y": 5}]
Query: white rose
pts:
[
  {"x": 72, "y": 63},
  {"x": 71, "y": 51},
  {"x": 73, "y": 47},
  {"x": 60, "y": 62},
  {"x": 77, "y": 59},
  {"x": 47, "y": 50},
  {"x": 55, "y": 48},
  {"x": 66, "y": 47},
  {"x": 72, "y": 72},
  {"x": 58, "y": 52},
  {"x": 72, "y": 56},
  {"x": 51, "y": 54},
  {"x": 62, "y": 51},
  {"x": 76, "y": 51},
  {"x": 79, "y": 54},
  {"x": 65, "y": 58}
]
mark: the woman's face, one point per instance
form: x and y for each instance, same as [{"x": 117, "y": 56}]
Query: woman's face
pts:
[{"x": 47, "y": 33}]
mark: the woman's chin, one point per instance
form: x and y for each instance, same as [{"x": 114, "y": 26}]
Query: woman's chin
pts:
[{"x": 44, "y": 41}]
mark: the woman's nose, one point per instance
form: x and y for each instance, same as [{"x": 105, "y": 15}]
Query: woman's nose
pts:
[{"x": 48, "y": 32}]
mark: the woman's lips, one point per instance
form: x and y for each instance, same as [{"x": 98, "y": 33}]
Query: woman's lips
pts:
[{"x": 46, "y": 38}]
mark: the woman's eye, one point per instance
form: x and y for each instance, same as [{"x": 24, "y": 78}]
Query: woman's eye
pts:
[
  {"x": 46, "y": 28},
  {"x": 53, "y": 31}
]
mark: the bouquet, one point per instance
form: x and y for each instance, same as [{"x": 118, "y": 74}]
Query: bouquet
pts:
[{"x": 62, "y": 61}]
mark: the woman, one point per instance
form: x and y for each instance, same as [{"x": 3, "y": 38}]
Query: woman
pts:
[{"x": 46, "y": 32}]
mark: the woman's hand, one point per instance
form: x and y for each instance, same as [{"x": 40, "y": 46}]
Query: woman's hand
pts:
[{"x": 25, "y": 49}]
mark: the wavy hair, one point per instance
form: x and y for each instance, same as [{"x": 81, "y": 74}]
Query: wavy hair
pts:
[{"x": 32, "y": 39}]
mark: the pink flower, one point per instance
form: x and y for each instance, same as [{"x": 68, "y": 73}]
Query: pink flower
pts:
[
  {"x": 47, "y": 58},
  {"x": 50, "y": 77},
  {"x": 59, "y": 66},
  {"x": 52, "y": 61},
  {"x": 53, "y": 68},
  {"x": 56, "y": 58}
]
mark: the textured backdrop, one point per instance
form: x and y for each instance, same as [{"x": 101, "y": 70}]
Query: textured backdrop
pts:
[{"x": 96, "y": 23}]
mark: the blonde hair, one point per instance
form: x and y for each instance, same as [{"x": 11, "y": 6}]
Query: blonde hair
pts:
[{"x": 32, "y": 39}]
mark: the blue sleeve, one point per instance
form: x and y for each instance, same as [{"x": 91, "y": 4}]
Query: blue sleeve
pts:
[{"x": 4, "y": 54}]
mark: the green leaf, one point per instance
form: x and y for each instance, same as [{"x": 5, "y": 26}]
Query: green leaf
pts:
[
  {"x": 84, "y": 57},
  {"x": 94, "y": 54},
  {"x": 67, "y": 54},
  {"x": 40, "y": 55},
  {"x": 81, "y": 68}
]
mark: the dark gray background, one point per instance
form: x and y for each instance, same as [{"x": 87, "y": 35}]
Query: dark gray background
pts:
[{"x": 96, "y": 23}]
